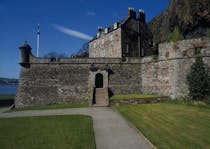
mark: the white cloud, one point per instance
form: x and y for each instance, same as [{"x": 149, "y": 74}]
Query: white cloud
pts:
[
  {"x": 71, "y": 32},
  {"x": 90, "y": 13}
]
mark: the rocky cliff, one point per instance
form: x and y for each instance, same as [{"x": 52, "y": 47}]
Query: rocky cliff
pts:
[{"x": 191, "y": 17}]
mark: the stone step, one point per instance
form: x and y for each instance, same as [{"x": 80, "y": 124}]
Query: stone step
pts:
[
  {"x": 100, "y": 95},
  {"x": 100, "y": 90}
]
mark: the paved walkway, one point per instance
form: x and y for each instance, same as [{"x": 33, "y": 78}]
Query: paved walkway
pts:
[{"x": 111, "y": 130}]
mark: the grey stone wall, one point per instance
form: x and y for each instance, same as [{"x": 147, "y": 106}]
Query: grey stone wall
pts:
[
  {"x": 43, "y": 84},
  {"x": 70, "y": 80},
  {"x": 125, "y": 78},
  {"x": 67, "y": 80},
  {"x": 166, "y": 74}
]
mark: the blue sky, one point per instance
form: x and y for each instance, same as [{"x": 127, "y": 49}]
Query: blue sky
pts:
[{"x": 64, "y": 24}]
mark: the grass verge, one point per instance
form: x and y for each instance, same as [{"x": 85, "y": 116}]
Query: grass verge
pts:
[
  {"x": 169, "y": 125},
  {"x": 7, "y": 96},
  {"x": 133, "y": 96},
  {"x": 46, "y": 132},
  {"x": 53, "y": 106}
]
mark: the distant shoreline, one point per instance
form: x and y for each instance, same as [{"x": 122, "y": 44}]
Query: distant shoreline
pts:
[
  {"x": 5, "y": 83},
  {"x": 8, "y": 81}
]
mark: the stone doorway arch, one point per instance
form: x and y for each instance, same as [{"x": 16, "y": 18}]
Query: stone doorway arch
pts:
[
  {"x": 98, "y": 87},
  {"x": 99, "y": 81}
]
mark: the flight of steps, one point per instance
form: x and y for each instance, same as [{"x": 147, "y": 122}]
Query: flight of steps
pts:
[{"x": 101, "y": 96}]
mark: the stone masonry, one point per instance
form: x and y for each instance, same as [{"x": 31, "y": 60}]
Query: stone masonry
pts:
[
  {"x": 129, "y": 37},
  {"x": 72, "y": 80}
]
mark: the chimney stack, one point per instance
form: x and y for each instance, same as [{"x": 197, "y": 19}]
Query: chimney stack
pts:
[
  {"x": 141, "y": 16},
  {"x": 131, "y": 13},
  {"x": 100, "y": 28}
]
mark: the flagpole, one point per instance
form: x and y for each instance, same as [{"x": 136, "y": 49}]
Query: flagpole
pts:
[{"x": 38, "y": 38}]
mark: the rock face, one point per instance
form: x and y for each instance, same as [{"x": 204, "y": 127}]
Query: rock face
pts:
[{"x": 192, "y": 18}]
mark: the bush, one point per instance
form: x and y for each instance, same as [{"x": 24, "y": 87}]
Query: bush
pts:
[
  {"x": 199, "y": 80},
  {"x": 175, "y": 35}
]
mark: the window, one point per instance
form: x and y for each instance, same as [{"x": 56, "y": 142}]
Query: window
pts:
[
  {"x": 111, "y": 49},
  {"x": 102, "y": 41},
  {"x": 94, "y": 45},
  {"x": 127, "y": 48},
  {"x": 111, "y": 37},
  {"x": 142, "y": 51},
  {"x": 103, "y": 52}
]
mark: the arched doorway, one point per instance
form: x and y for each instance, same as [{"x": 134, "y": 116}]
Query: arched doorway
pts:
[
  {"x": 98, "y": 87},
  {"x": 99, "y": 80}
]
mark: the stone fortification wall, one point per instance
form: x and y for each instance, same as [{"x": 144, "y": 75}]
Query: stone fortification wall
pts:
[
  {"x": 66, "y": 80},
  {"x": 47, "y": 81},
  {"x": 43, "y": 84},
  {"x": 166, "y": 74}
]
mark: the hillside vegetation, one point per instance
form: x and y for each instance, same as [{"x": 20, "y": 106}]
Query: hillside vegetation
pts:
[{"x": 191, "y": 18}]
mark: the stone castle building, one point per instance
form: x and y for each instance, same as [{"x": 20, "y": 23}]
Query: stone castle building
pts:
[
  {"x": 120, "y": 62},
  {"x": 129, "y": 37}
]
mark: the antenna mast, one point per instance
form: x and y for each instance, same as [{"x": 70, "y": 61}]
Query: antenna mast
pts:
[{"x": 38, "y": 38}]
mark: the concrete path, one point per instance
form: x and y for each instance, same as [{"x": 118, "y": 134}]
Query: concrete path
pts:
[{"x": 111, "y": 130}]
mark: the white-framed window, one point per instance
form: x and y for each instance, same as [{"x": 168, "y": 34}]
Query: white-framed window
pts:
[
  {"x": 111, "y": 49},
  {"x": 111, "y": 37},
  {"x": 102, "y": 41},
  {"x": 142, "y": 51},
  {"x": 94, "y": 45},
  {"x": 103, "y": 52},
  {"x": 127, "y": 48}
]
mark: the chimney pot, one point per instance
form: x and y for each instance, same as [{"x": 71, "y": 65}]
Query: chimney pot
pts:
[
  {"x": 100, "y": 29},
  {"x": 141, "y": 16},
  {"x": 131, "y": 13}
]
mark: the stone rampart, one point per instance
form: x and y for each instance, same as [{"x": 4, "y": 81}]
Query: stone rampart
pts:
[
  {"x": 166, "y": 74},
  {"x": 67, "y": 81},
  {"x": 47, "y": 81}
]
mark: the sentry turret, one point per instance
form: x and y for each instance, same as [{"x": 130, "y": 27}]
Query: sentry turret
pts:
[{"x": 25, "y": 51}]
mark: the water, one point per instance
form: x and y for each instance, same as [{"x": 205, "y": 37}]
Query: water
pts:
[{"x": 8, "y": 89}]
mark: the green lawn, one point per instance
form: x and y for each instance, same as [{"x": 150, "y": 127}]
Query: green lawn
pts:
[
  {"x": 133, "y": 96},
  {"x": 47, "y": 132},
  {"x": 53, "y": 106},
  {"x": 169, "y": 125},
  {"x": 9, "y": 96}
]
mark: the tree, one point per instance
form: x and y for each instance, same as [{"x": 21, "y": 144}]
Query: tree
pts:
[
  {"x": 198, "y": 80},
  {"x": 55, "y": 55},
  {"x": 84, "y": 51}
]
